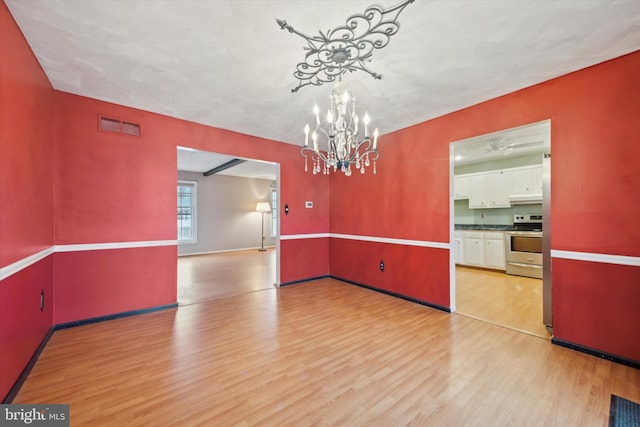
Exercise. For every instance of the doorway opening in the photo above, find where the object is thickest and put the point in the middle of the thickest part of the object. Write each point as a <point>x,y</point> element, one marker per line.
<point>228,225</point>
<point>499,181</point>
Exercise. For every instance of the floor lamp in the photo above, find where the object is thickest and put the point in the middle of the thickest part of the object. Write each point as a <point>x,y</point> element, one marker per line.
<point>263,207</point>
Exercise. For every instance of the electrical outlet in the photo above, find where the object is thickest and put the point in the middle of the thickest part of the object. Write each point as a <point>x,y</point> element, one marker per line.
<point>381,265</point>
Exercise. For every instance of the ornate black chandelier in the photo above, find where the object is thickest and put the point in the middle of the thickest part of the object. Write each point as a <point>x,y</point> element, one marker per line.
<point>329,56</point>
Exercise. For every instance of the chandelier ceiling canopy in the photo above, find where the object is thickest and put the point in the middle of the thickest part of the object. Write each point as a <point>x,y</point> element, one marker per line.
<point>345,48</point>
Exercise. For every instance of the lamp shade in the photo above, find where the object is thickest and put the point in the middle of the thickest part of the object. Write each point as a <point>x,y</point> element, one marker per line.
<point>263,207</point>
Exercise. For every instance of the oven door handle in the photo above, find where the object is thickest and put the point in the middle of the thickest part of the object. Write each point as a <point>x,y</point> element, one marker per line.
<point>519,264</point>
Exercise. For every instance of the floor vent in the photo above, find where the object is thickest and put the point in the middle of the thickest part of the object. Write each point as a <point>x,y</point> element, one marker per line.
<point>108,124</point>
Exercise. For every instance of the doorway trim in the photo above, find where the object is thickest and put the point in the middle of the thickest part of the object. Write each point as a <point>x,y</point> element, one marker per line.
<point>277,166</point>
<point>546,212</point>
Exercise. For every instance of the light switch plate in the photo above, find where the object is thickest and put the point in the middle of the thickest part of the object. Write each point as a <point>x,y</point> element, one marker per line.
<point>308,204</point>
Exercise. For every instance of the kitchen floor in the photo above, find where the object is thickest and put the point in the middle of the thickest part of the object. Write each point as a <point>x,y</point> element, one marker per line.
<point>514,302</point>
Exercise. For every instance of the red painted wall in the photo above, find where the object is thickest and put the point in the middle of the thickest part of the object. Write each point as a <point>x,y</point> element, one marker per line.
<point>101,282</point>
<point>408,197</point>
<point>110,187</point>
<point>22,324</point>
<point>596,302</point>
<point>595,172</point>
<point>305,258</point>
<point>26,109</point>
<point>410,271</point>
<point>26,199</point>
<point>299,187</point>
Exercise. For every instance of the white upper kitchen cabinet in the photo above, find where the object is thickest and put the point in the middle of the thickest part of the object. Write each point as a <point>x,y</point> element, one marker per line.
<point>489,190</point>
<point>537,179</point>
<point>526,184</point>
<point>498,189</point>
<point>460,187</point>
<point>478,191</point>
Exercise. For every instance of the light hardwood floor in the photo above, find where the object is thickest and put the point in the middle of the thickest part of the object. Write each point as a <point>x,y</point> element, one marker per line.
<point>514,302</point>
<point>319,353</point>
<point>204,277</point>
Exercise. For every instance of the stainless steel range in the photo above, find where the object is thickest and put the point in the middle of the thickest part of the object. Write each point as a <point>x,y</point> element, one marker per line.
<point>523,246</point>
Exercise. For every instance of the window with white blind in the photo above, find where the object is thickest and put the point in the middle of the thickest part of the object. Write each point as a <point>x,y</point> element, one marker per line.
<point>187,212</point>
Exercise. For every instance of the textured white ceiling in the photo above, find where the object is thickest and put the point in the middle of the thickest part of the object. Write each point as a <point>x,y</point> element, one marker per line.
<point>227,64</point>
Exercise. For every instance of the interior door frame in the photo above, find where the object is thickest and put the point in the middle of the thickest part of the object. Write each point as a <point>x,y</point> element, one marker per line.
<point>547,302</point>
<point>278,196</point>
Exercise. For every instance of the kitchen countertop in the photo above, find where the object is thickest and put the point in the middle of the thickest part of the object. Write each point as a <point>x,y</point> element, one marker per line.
<point>483,227</point>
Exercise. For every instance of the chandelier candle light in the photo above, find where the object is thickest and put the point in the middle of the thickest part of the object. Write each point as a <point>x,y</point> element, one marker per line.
<point>341,147</point>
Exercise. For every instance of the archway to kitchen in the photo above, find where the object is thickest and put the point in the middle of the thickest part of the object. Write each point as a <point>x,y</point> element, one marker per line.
<point>228,228</point>
<point>500,228</point>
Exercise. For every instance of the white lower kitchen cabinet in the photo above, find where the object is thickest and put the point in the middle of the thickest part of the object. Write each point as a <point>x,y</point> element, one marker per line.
<point>480,249</point>
<point>494,256</point>
<point>473,247</point>
<point>458,248</point>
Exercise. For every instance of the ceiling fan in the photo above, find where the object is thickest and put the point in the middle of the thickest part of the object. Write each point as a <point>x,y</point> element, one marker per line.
<point>501,144</point>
